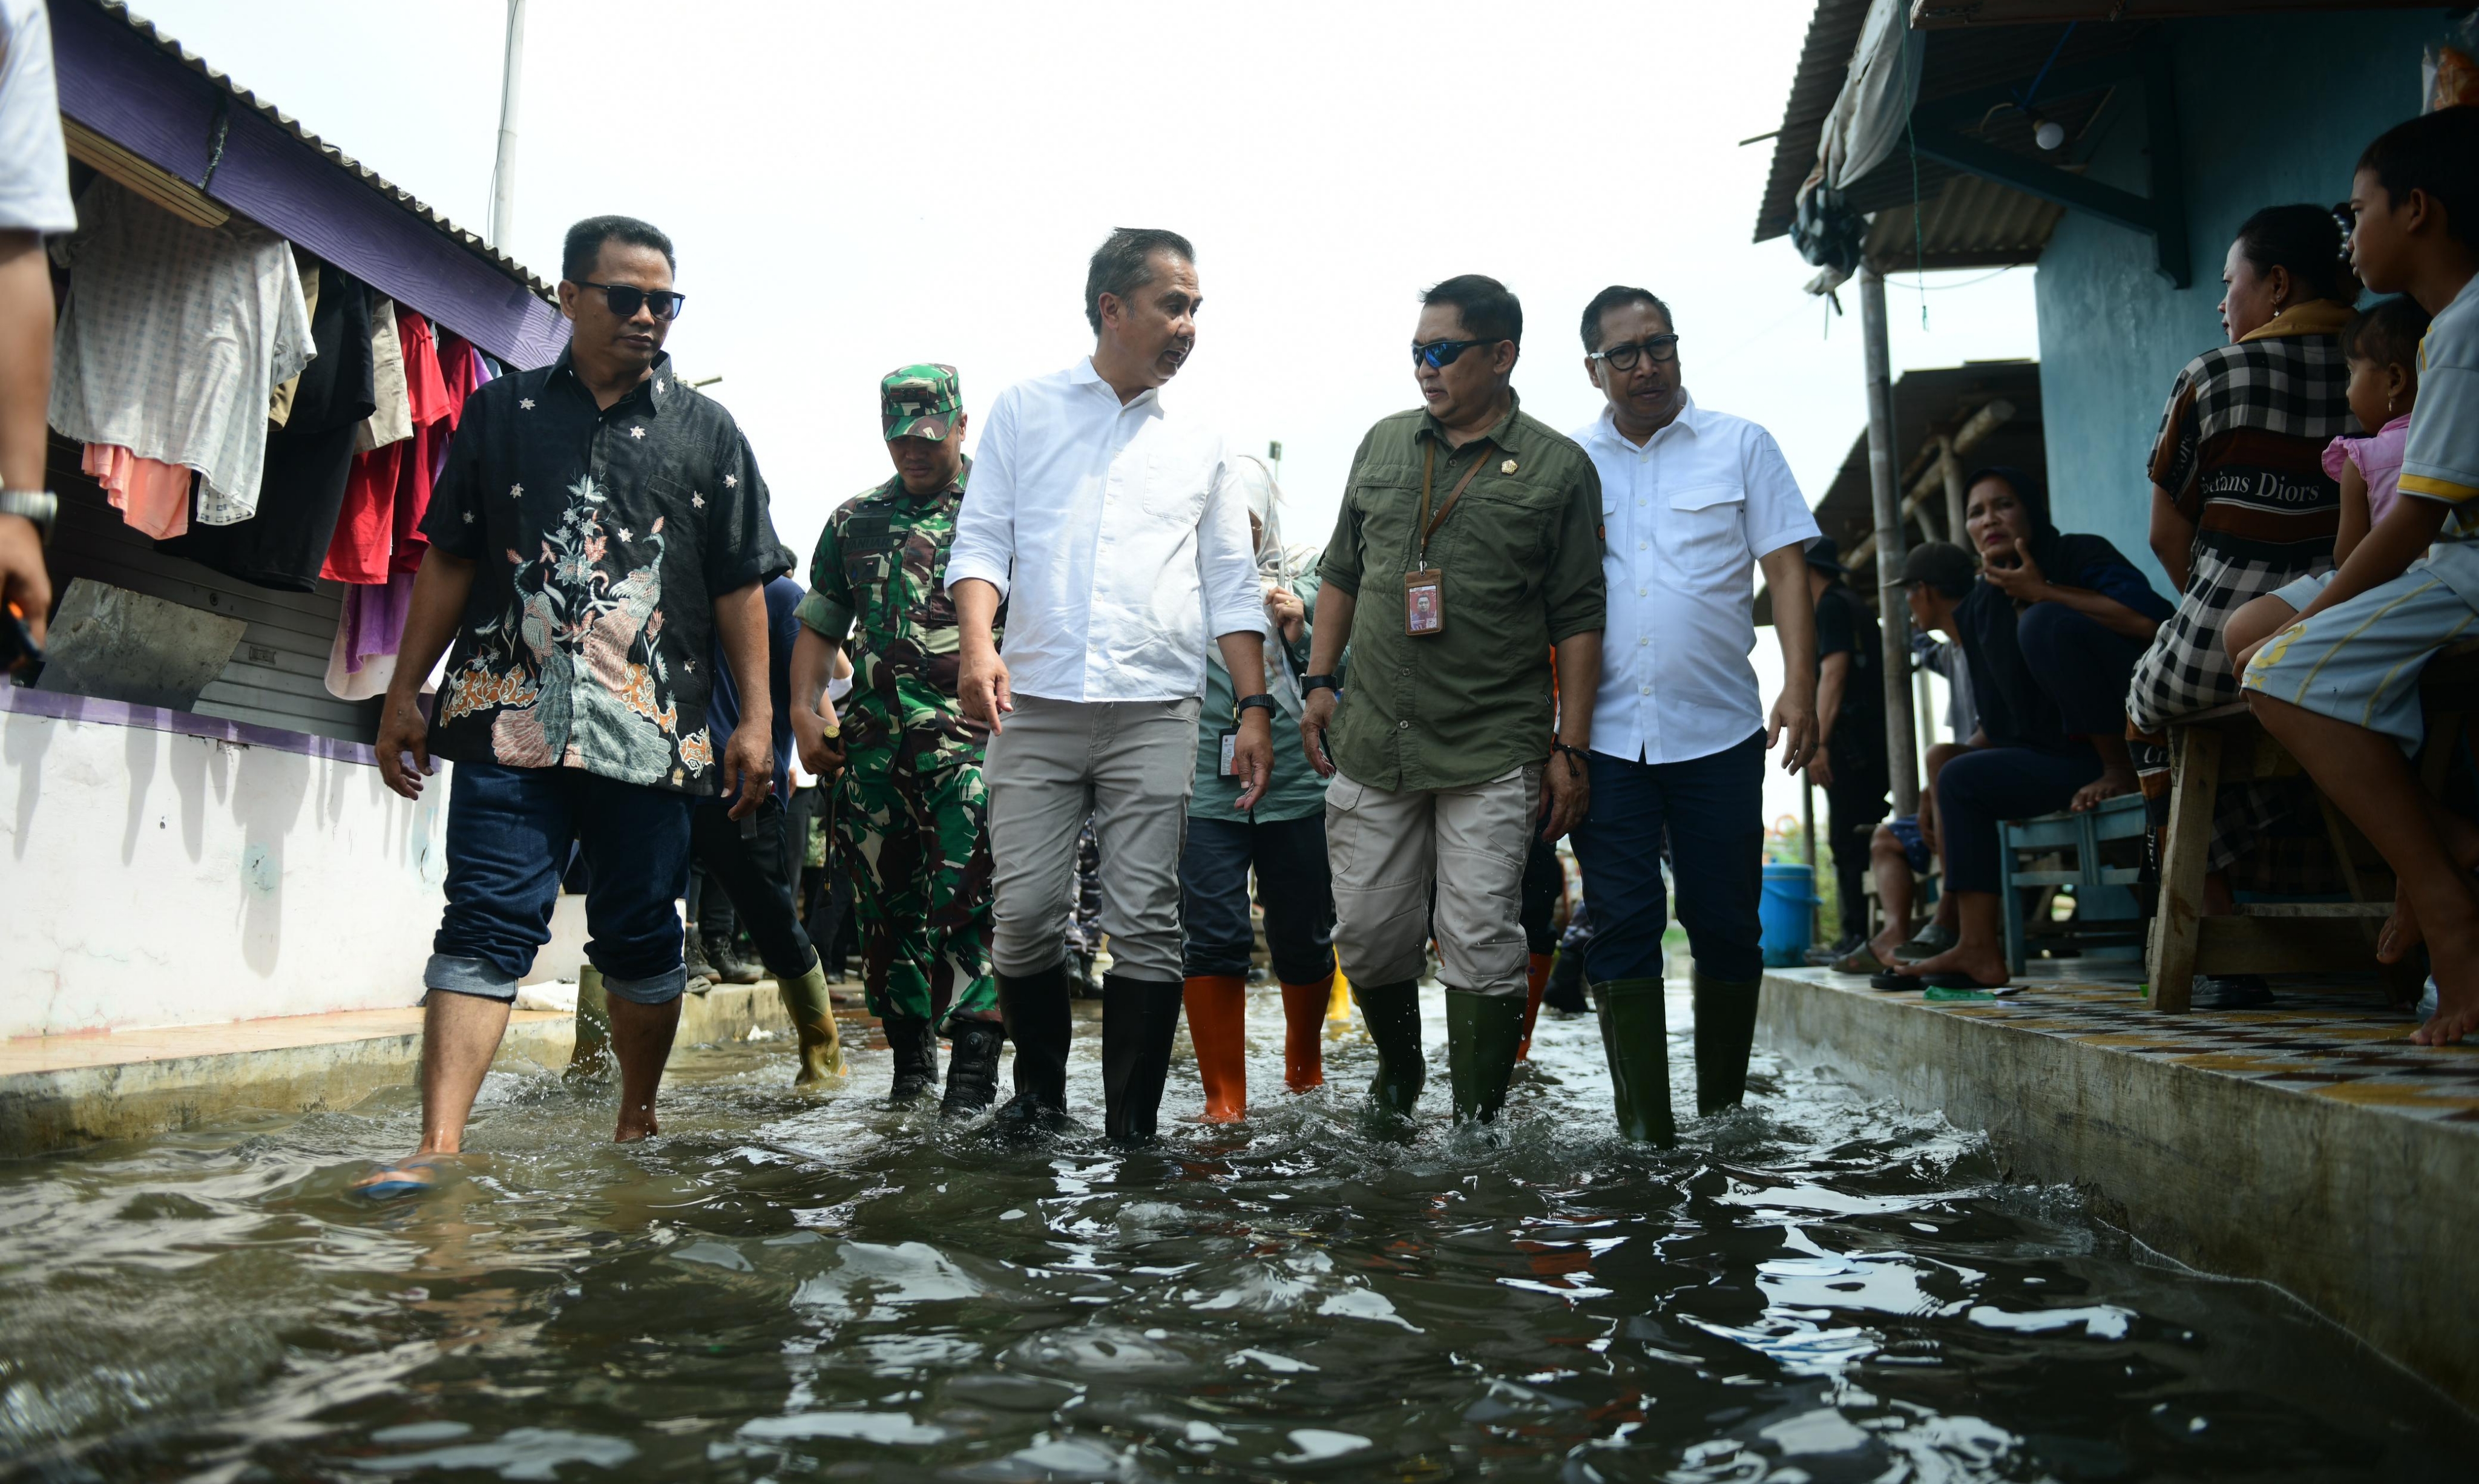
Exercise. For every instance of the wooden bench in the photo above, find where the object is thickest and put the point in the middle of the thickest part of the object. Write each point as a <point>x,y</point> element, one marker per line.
<point>2031,852</point>
<point>2225,745</point>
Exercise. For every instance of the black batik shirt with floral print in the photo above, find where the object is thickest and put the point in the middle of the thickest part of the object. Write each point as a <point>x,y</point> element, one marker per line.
<point>602,537</point>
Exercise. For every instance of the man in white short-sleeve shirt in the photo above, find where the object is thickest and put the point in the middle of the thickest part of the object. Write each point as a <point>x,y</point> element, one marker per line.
<point>1114,533</point>
<point>1691,503</point>
<point>33,200</point>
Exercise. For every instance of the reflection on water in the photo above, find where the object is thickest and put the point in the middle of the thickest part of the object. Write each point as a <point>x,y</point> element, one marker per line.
<point>1816,1287</point>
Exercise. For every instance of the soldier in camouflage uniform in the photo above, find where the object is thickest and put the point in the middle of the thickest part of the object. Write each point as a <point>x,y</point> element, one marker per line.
<point>909,806</point>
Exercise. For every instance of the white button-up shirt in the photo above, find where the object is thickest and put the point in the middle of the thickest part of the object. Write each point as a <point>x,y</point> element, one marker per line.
<point>1116,534</point>
<point>1683,520</point>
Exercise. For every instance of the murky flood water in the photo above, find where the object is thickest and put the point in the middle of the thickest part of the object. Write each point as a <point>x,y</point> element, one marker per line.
<point>1817,1288</point>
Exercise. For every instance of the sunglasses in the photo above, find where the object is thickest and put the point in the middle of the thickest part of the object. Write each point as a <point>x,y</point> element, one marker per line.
<point>1661,347</point>
<point>625,300</point>
<point>1444,352</point>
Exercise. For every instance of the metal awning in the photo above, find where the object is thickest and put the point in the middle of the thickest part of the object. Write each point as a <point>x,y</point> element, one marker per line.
<point>1946,15</point>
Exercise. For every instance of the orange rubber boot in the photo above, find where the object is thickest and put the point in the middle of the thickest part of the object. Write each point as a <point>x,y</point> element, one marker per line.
<point>1304,1008</point>
<point>1217,1027</point>
<point>1536,979</point>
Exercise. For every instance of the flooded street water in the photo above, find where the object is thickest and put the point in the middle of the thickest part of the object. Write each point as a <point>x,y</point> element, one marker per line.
<point>1816,1287</point>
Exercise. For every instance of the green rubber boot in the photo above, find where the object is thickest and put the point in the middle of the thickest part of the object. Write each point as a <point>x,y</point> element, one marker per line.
<point>1636,1040</point>
<point>813,1020</point>
<point>1483,1032</point>
<point>590,1057</point>
<point>1726,1033</point>
<point>1393,1013</point>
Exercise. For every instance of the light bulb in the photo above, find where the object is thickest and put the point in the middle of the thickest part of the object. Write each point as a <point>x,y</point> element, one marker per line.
<point>2050,135</point>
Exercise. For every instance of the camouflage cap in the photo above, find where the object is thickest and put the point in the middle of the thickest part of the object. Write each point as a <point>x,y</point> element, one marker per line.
<point>919,401</point>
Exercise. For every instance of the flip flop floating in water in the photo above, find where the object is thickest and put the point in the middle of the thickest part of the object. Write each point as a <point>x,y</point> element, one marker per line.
<point>395,1182</point>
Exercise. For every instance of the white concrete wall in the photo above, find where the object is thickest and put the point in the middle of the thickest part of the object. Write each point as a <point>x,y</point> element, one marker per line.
<point>151,878</point>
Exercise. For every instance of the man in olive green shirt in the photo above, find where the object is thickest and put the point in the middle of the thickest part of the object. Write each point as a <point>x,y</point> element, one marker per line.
<point>1468,549</point>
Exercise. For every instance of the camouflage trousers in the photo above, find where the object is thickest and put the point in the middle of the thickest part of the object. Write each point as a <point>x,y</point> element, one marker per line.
<point>911,820</point>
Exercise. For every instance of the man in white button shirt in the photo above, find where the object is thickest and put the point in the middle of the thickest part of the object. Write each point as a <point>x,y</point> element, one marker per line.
<point>1119,540</point>
<point>1691,503</point>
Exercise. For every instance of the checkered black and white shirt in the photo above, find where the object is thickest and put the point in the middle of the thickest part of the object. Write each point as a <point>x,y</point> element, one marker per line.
<point>2242,443</point>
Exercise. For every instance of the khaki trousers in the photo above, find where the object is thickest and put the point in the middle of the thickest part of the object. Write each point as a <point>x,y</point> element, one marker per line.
<point>1128,765</point>
<point>1388,850</point>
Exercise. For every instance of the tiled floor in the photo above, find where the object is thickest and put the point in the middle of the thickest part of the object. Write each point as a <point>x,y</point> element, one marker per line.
<point>2335,1041</point>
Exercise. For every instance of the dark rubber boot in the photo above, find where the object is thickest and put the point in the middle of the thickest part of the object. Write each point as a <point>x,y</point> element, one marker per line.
<point>1483,1032</point>
<point>1036,1011</point>
<point>813,1021</point>
<point>1726,1033</point>
<point>1636,1040</point>
<point>972,1066</point>
<point>1140,1020</point>
<point>915,1048</point>
<point>1393,1013</point>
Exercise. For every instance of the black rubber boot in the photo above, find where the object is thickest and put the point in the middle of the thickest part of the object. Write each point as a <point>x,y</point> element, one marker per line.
<point>1393,1013</point>
<point>1140,1019</point>
<point>915,1048</point>
<point>1635,1037</point>
<point>1036,1011</point>
<point>1482,1034</point>
<point>972,1066</point>
<point>1726,1033</point>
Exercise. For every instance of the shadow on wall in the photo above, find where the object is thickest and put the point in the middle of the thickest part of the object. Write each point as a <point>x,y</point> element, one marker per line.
<point>23,741</point>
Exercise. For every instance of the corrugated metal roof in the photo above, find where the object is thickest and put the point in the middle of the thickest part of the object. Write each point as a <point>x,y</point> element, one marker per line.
<point>1978,222</point>
<point>1939,15</point>
<point>406,199</point>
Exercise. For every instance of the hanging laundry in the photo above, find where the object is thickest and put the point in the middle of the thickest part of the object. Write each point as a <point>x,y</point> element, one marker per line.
<point>309,460</point>
<point>369,632</point>
<point>391,418</point>
<point>279,407</point>
<point>173,340</point>
<point>390,486</point>
<point>152,496</point>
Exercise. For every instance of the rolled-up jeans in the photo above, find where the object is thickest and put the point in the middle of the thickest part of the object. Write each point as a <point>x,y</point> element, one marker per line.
<point>1130,765</point>
<point>1387,848</point>
<point>508,836</point>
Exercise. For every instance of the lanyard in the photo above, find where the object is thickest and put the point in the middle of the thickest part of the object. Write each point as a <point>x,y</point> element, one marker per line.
<point>1428,467</point>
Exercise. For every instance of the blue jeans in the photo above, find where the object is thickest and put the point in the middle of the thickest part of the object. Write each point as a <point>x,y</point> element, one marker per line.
<point>1292,884</point>
<point>508,836</point>
<point>1711,811</point>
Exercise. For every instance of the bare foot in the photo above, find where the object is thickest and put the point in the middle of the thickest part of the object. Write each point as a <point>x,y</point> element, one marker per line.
<point>635,1125</point>
<point>2456,953</point>
<point>1987,966</point>
<point>2402,931</point>
<point>2111,785</point>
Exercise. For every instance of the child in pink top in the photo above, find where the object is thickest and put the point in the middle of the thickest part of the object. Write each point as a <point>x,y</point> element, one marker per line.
<point>2381,344</point>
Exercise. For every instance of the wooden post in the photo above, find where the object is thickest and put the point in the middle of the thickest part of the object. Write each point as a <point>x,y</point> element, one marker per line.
<point>1807,848</point>
<point>1893,612</point>
<point>2194,786</point>
<point>1950,467</point>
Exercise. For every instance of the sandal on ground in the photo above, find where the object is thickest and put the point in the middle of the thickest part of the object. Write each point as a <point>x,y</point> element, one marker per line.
<point>1862,959</point>
<point>2230,991</point>
<point>1954,980</point>
<point>1889,979</point>
<point>395,1182</point>
<point>1927,943</point>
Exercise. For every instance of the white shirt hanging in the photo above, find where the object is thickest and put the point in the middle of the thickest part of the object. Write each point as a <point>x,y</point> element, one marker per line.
<point>172,337</point>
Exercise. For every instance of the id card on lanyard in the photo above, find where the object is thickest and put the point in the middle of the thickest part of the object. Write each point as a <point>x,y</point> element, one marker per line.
<point>1425,587</point>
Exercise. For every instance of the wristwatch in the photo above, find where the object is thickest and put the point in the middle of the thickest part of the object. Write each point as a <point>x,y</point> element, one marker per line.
<point>1261,701</point>
<point>41,506</point>
<point>1310,682</point>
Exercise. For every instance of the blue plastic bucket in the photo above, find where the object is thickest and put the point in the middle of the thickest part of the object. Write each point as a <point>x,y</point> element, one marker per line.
<point>1787,910</point>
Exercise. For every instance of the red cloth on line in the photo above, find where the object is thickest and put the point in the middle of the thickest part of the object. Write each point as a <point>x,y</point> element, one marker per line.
<point>390,489</point>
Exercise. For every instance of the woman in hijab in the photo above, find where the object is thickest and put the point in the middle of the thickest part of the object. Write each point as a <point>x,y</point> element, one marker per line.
<point>1282,838</point>
<point>2052,630</point>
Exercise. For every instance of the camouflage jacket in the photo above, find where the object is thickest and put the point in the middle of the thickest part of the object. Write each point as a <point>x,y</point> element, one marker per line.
<point>878,581</point>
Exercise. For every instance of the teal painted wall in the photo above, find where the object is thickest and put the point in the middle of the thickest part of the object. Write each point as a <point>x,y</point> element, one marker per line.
<point>2114,333</point>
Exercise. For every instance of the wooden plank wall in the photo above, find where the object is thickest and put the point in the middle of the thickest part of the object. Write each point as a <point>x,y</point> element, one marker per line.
<point>277,676</point>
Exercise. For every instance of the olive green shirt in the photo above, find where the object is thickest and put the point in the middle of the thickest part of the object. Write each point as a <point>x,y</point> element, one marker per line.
<point>1521,554</point>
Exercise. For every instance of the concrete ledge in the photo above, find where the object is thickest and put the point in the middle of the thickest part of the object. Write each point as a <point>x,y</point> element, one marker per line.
<point>57,1092</point>
<point>2308,1147</point>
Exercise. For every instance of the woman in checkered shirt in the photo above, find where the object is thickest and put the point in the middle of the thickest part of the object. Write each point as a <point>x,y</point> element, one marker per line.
<point>2241,501</point>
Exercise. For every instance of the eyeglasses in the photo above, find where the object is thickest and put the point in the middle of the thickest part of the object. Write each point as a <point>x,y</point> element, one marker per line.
<point>1661,347</point>
<point>625,300</point>
<point>1444,352</point>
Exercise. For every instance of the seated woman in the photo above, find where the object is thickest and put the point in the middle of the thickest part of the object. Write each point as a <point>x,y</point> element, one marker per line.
<point>2052,630</point>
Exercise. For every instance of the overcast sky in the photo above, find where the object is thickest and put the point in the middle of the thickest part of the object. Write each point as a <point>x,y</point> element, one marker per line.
<point>855,186</point>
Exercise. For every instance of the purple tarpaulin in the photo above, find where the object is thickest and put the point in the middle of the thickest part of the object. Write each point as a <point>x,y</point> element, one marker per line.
<point>120,85</point>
